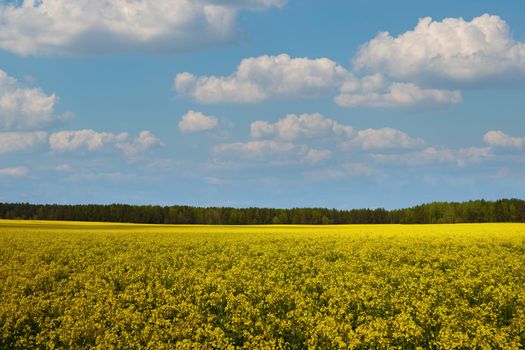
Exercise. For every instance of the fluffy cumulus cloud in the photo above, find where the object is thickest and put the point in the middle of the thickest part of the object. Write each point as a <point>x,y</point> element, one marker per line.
<point>312,139</point>
<point>265,77</point>
<point>135,149</point>
<point>315,126</point>
<point>84,139</point>
<point>293,127</point>
<point>382,139</point>
<point>434,155</point>
<point>22,107</point>
<point>90,140</point>
<point>453,50</point>
<point>271,151</point>
<point>21,141</point>
<point>196,121</point>
<point>259,149</point>
<point>15,172</point>
<point>424,67</point>
<point>261,78</point>
<point>500,139</point>
<point>317,155</point>
<point>412,68</point>
<point>398,95</point>
<point>101,26</point>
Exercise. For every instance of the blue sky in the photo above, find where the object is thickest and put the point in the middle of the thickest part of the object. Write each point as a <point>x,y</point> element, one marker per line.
<point>276,103</point>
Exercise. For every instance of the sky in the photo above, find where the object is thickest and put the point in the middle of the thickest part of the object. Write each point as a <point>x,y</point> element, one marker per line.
<point>268,103</point>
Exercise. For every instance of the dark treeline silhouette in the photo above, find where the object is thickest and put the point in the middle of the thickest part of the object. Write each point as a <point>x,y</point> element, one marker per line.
<point>504,210</point>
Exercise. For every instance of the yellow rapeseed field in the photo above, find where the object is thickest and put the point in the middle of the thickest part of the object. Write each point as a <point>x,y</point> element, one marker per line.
<point>120,286</point>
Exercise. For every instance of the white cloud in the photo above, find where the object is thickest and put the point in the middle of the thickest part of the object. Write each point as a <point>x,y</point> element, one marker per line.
<point>15,172</point>
<point>345,171</point>
<point>215,181</point>
<point>366,84</point>
<point>262,128</point>
<point>433,155</point>
<point>21,141</point>
<point>452,50</point>
<point>261,78</point>
<point>399,95</point>
<point>260,149</point>
<point>293,127</point>
<point>271,151</point>
<point>381,139</point>
<point>84,139</point>
<point>139,145</point>
<point>315,126</point>
<point>265,77</point>
<point>91,140</point>
<point>160,164</point>
<point>196,121</point>
<point>358,169</point>
<point>64,168</point>
<point>317,155</point>
<point>424,67</point>
<point>24,107</point>
<point>102,26</point>
<point>500,139</point>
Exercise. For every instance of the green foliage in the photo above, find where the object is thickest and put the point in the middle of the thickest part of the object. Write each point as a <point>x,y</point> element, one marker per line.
<point>504,210</point>
<point>117,286</point>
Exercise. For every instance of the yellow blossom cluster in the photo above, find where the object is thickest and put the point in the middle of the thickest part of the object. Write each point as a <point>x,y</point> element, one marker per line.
<point>117,286</point>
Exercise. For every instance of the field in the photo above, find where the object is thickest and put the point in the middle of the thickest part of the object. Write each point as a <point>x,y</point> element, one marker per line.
<point>89,285</point>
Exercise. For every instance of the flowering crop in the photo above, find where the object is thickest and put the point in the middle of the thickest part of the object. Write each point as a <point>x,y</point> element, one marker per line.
<point>103,286</point>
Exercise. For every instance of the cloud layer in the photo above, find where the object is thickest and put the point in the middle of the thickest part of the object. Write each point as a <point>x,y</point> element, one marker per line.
<point>310,139</point>
<point>384,138</point>
<point>261,78</point>
<point>500,139</point>
<point>14,172</point>
<point>346,170</point>
<point>449,51</point>
<point>293,127</point>
<point>102,26</point>
<point>84,139</point>
<point>196,121</point>
<point>315,126</point>
<point>269,77</point>
<point>22,107</point>
<point>436,155</point>
<point>398,95</point>
<point>271,151</point>
<point>424,67</point>
<point>21,141</point>
<point>90,140</point>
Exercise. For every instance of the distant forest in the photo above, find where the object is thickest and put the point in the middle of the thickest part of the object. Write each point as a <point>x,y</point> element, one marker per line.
<point>504,210</point>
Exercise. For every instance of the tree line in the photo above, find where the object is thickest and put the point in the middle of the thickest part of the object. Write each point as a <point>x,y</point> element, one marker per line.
<point>504,210</point>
